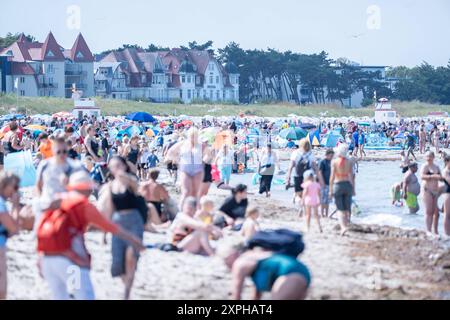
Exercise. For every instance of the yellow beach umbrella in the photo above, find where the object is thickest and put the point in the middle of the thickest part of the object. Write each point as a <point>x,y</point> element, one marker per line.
<point>36,127</point>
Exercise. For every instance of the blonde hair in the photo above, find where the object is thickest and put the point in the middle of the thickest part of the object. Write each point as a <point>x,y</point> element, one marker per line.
<point>251,210</point>
<point>205,200</point>
<point>305,145</point>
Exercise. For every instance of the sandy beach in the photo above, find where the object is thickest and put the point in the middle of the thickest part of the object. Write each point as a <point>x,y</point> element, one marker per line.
<point>372,262</point>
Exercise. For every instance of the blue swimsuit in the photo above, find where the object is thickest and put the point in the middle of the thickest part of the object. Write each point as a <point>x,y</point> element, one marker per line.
<point>269,270</point>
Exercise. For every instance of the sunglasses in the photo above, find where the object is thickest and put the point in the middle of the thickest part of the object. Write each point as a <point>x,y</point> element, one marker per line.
<point>61,152</point>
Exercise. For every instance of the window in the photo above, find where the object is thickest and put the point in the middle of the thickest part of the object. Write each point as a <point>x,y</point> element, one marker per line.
<point>50,54</point>
<point>189,79</point>
<point>211,79</point>
<point>189,94</point>
<point>50,81</point>
<point>22,92</point>
<point>22,79</point>
<point>217,95</point>
<point>211,94</point>
<point>217,79</point>
<point>183,79</point>
<point>197,80</point>
<point>198,94</point>
<point>80,55</point>
<point>50,68</point>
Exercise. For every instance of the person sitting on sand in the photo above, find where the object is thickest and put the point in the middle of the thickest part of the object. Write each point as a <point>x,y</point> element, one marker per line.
<point>155,194</point>
<point>190,234</point>
<point>233,209</point>
<point>205,214</point>
<point>251,225</point>
<point>283,276</point>
<point>411,188</point>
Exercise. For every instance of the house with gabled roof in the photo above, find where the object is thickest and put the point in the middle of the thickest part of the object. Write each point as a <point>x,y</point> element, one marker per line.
<point>47,69</point>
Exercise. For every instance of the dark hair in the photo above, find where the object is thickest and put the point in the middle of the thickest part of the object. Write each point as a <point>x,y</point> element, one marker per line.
<point>239,188</point>
<point>43,136</point>
<point>69,130</point>
<point>123,161</point>
<point>154,174</point>
<point>415,165</point>
<point>13,126</point>
<point>329,151</point>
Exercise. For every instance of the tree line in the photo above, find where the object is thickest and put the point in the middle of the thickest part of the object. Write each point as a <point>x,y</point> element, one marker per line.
<point>273,75</point>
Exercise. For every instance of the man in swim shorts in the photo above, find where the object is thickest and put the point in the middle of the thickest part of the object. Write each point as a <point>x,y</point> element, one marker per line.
<point>411,188</point>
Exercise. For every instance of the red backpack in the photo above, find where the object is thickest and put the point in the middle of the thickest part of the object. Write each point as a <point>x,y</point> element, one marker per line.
<point>58,227</point>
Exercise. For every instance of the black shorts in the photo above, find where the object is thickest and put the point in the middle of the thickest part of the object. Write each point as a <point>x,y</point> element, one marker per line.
<point>172,166</point>
<point>298,181</point>
<point>142,166</point>
<point>207,177</point>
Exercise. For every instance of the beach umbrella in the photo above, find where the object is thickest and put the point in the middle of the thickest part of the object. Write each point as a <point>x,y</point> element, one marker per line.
<point>35,127</point>
<point>364,124</point>
<point>141,116</point>
<point>308,126</point>
<point>9,117</point>
<point>187,123</point>
<point>133,130</point>
<point>288,133</point>
<point>63,114</point>
<point>223,137</point>
<point>150,133</point>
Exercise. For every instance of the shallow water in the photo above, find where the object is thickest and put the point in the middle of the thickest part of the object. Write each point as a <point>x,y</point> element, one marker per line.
<point>373,183</point>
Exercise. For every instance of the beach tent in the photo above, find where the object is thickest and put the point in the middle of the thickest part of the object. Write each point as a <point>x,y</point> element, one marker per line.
<point>331,139</point>
<point>314,138</point>
<point>141,116</point>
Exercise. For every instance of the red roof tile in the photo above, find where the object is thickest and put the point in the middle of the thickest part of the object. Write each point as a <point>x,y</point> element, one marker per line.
<point>50,45</point>
<point>21,68</point>
<point>80,51</point>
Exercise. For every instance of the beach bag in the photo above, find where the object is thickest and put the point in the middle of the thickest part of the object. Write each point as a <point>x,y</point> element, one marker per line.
<point>215,173</point>
<point>281,241</point>
<point>302,165</point>
<point>57,228</point>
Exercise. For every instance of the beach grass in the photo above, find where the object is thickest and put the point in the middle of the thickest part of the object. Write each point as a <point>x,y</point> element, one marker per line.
<point>48,105</point>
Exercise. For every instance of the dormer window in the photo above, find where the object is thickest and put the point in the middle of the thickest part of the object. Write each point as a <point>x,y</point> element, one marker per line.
<point>79,55</point>
<point>50,54</point>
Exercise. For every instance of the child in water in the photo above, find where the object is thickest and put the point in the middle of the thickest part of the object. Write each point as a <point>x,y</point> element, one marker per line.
<point>396,194</point>
<point>311,197</point>
<point>251,225</point>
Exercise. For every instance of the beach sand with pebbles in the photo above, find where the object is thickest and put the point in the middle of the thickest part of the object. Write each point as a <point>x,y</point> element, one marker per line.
<point>372,262</point>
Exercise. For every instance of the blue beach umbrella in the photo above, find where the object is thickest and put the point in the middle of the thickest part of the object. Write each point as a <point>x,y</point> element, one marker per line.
<point>141,116</point>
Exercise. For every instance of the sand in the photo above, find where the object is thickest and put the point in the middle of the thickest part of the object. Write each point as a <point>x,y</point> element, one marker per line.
<point>372,262</point>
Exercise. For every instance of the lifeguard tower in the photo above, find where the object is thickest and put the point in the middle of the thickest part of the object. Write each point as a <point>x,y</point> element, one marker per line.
<point>384,111</point>
<point>83,106</point>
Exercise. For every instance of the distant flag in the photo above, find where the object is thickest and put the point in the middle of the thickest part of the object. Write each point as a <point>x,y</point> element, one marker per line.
<point>16,83</point>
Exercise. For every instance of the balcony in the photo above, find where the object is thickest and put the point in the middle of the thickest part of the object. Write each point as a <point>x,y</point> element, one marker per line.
<point>78,86</point>
<point>48,85</point>
<point>75,73</point>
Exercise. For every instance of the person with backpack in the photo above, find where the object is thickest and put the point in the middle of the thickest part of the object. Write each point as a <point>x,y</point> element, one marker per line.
<point>271,268</point>
<point>63,257</point>
<point>301,161</point>
<point>52,176</point>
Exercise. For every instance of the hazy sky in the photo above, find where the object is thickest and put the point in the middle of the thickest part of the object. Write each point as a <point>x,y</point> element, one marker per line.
<point>400,32</point>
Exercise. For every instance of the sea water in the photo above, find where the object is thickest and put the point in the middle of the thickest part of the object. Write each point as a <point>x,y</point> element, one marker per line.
<point>374,181</point>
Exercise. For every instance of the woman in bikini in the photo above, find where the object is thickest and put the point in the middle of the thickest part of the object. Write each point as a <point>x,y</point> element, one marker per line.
<point>342,185</point>
<point>188,154</point>
<point>208,158</point>
<point>446,177</point>
<point>431,175</point>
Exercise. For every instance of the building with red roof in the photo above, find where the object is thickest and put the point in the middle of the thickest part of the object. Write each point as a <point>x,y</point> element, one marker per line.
<point>47,69</point>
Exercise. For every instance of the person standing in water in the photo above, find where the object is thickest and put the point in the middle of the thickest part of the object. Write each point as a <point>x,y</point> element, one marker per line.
<point>411,188</point>
<point>342,185</point>
<point>431,175</point>
<point>422,140</point>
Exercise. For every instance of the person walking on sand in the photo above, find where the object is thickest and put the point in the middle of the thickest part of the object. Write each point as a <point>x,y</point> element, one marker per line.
<point>342,185</point>
<point>61,244</point>
<point>267,166</point>
<point>311,196</point>
<point>301,161</point>
<point>411,188</point>
<point>431,175</point>
<point>446,180</point>
<point>422,139</point>
<point>325,173</point>
<point>9,187</point>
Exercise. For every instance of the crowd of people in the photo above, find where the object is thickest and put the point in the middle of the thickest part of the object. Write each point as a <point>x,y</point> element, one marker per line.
<point>88,178</point>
